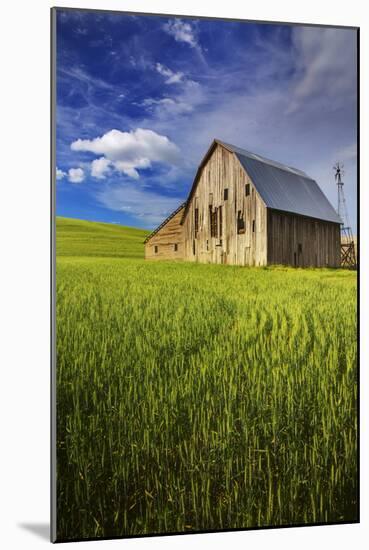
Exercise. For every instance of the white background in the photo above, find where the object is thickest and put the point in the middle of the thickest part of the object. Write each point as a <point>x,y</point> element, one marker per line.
<point>24,270</point>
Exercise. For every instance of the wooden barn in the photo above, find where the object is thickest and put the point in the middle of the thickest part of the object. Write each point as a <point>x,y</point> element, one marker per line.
<point>244,209</point>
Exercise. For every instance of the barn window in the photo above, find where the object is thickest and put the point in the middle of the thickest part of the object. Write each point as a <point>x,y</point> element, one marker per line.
<point>299,248</point>
<point>253,226</point>
<point>247,189</point>
<point>207,244</point>
<point>196,221</point>
<point>225,195</point>
<point>194,247</point>
<point>175,247</point>
<point>240,223</point>
<point>213,222</point>
<point>155,249</point>
<point>220,221</point>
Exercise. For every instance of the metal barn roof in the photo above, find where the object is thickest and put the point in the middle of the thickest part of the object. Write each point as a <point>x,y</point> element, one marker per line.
<point>285,188</point>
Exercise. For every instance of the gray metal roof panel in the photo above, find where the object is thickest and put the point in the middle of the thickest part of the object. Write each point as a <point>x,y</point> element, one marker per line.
<point>285,188</point>
<point>265,160</point>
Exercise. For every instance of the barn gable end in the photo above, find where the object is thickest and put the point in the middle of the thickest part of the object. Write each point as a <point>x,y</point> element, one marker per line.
<point>166,241</point>
<point>225,219</point>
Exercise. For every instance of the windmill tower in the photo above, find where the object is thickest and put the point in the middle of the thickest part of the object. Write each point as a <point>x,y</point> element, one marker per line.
<point>348,255</point>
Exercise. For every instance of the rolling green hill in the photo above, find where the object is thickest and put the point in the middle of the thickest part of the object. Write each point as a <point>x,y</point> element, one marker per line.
<point>82,238</point>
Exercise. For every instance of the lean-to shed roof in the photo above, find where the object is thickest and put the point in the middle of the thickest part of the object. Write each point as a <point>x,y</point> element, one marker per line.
<point>165,222</point>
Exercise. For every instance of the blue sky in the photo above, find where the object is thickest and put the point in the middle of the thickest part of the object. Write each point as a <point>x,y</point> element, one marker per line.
<point>140,98</point>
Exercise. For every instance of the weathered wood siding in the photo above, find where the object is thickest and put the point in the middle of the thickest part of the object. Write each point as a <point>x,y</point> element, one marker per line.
<point>161,246</point>
<point>299,241</point>
<point>211,231</point>
<point>223,171</point>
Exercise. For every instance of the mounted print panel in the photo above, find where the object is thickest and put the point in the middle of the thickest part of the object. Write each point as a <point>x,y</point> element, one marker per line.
<point>204,224</point>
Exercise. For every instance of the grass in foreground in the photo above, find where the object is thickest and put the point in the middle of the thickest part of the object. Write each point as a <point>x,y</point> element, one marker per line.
<point>194,397</point>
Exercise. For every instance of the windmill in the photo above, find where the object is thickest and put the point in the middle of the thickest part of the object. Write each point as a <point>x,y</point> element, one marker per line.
<point>348,255</point>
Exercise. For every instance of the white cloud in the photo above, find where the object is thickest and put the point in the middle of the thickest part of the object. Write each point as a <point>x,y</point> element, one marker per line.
<point>149,207</point>
<point>250,111</point>
<point>151,101</point>
<point>171,76</point>
<point>181,31</point>
<point>325,65</point>
<point>190,97</point>
<point>140,62</point>
<point>173,106</point>
<point>81,30</point>
<point>348,153</point>
<point>100,167</point>
<point>76,175</point>
<point>82,76</point>
<point>60,174</point>
<point>127,168</point>
<point>129,151</point>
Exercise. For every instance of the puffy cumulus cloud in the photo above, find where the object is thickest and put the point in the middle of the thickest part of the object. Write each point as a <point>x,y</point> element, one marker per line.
<point>100,167</point>
<point>181,31</point>
<point>171,76</point>
<point>127,168</point>
<point>60,174</point>
<point>129,151</point>
<point>76,175</point>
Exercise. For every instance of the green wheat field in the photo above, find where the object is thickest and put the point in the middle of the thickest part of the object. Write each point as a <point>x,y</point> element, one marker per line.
<point>199,397</point>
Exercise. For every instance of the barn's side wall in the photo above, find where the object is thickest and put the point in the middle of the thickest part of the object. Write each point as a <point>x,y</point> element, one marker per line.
<point>223,171</point>
<point>165,239</point>
<point>300,241</point>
